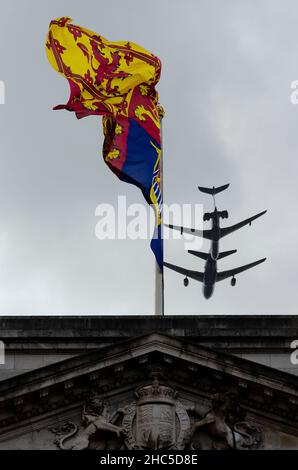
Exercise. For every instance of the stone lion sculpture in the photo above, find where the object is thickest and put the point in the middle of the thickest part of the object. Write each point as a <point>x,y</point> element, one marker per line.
<point>96,416</point>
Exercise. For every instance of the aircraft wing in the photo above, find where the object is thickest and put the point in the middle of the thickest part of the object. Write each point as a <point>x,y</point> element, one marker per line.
<point>186,272</point>
<point>227,230</point>
<point>232,272</point>
<point>192,231</point>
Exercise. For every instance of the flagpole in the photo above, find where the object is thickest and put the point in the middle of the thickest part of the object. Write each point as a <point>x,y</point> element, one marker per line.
<point>159,292</point>
<point>159,277</point>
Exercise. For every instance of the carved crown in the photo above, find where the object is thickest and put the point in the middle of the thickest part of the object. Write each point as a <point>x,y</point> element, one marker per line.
<point>156,393</point>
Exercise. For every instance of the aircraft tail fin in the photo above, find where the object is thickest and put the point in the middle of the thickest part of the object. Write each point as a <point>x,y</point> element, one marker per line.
<point>223,254</point>
<point>199,254</point>
<point>213,190</point>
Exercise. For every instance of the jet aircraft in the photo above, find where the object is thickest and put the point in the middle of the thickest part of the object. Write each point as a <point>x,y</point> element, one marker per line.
<point>210,275</point>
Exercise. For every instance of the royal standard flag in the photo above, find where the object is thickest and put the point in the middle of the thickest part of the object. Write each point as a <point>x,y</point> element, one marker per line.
<point>116,80</point>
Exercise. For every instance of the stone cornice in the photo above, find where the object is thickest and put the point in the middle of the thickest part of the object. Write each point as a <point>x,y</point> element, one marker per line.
<point>72,334</point>
<point>112,355</point>
<point>261,326</point>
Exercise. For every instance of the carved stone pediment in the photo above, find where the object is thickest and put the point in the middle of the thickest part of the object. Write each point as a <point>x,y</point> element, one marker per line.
<point>154,392</point>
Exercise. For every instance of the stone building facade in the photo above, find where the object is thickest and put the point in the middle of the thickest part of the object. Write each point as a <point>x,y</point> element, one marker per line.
<point>219,382</point>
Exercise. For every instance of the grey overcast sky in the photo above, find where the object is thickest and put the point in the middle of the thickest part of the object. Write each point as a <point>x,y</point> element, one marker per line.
<point>227,70</point>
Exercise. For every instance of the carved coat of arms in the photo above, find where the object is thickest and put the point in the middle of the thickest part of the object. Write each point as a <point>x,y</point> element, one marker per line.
<point>156,420</point>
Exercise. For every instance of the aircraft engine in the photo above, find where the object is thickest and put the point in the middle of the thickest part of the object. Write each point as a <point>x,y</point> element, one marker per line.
<point>233,281</point>
<point>186,282</point>
<point>207,217</point>
<point>225,215</point>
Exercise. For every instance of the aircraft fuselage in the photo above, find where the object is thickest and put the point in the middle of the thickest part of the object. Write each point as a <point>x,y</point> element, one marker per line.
<point>214,251</point>
<point>210,274</point>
